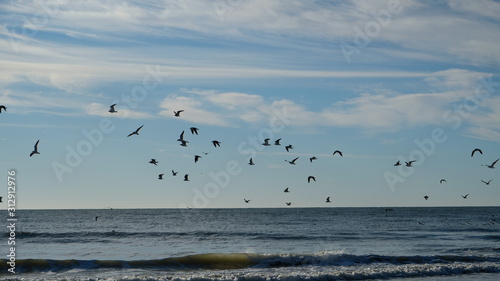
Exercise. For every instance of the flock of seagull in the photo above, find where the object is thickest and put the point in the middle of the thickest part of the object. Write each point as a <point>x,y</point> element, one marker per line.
<point>267,142</point>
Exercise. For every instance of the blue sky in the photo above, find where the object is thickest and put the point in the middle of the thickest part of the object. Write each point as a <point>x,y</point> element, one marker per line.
<point>381,81</point>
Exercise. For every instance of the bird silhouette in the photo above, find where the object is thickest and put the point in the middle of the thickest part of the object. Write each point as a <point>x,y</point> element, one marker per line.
<point>250,162</point>
<point>476,150</point>
<point>112,108</point>
<point>196,158</point>
<point>487,182</point>
<point>181,137</point>
<point>398,163</point>
<point>216,143</point>
<point>1,199</point>
<point>178,113</point>
<point>160,176</point>
<point>186,177</point>
<point>3,107</point>
<point>338,151</point>
<point>408,164</point>
<point>442,180</point>
<point>286,190</point>
<point>288,147</point>
<point>246,201</point>
<point>136,132</point>
<point>312,158</point>
<point>35,149</point>
<point>277,142</point>
<point>266,142</point>
<point>288,203</point>
<point>174,173</point>
<point>311,178</point>
<point>154,162</point>
<point>426,197</point>
<point>465,196</point>
<point>194,130</point>
<point>293,161</point>
<point>184,143</point>
<point>328,199</point>
<point>492,166</point>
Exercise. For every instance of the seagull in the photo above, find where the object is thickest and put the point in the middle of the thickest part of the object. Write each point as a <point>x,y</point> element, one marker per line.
<point>246,201</point>
<point>178,113</point>
<point>474,151</point>
<point>136,132</point>
<point>35,151</point>
<point>112,108</point>
<point>487,182</point>
<point>196,158</point>
<point>442,180</point>
<point>174,173</point>
<point>160,176</point>
<point>293,161</point>
<point>426,197</point>
<point>338,151</point>
<point>312,158</point>
<point>465,196</point>
<point>194,130</point>
<point>154,162</point>
<point>492,166</point>
<point>186,177</point>
<point>288,203</point>
<point>311,178</point>
<point>398,163</point>
<point>328,199</point>
<point>251,162</point>
<point>3,107</point>
<point>216,143</point>
<point>288,147</point>
<point>408,164</point>
<point>181,137</point>
<point>277,142</point>
<point>286,190</point>
<point>266,142</point>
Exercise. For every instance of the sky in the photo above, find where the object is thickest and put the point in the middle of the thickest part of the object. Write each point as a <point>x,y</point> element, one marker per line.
<point>380,81</point>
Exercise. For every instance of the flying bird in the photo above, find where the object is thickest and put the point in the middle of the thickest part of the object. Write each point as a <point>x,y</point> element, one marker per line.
<point>338,151</point>
<point>216,143</point>
<point>313,158</point>
<point>426,197</point>
<point>328,199</point>
<point>181,137</point>
<point>196,158</point>
<point>194,130</point>
<point>442,180</point>
<point>186,177</point>
<point>286,190</point>
<point>465,196</point>
<point>154,162</point>
<point>277,142</point>
<point>476,150</point>
<point>288,203</point>
<point>112,108</point>
<point>1,199</point>
<point>174,173</point>
<point>160,176</point>
<point>398,163</point>
<point>408,164</point>
<point>250,162</point>
<point>3,107</point>
<point>246,201</point>
<point>184,143</point>
<point>35,151</point>
<point>487,182</point>
<point>266,142</point>
<point>311,178</point>
<point>293,161</point>
<point>178,113</point>
<point>136,132</point>
<point>492,166</point>
<point>288,147</point>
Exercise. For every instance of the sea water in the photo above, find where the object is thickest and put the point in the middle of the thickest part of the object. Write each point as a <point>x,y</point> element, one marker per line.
<point>450,243</point>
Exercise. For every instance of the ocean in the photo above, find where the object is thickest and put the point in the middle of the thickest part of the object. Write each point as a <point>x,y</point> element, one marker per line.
<point>448,243</point>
